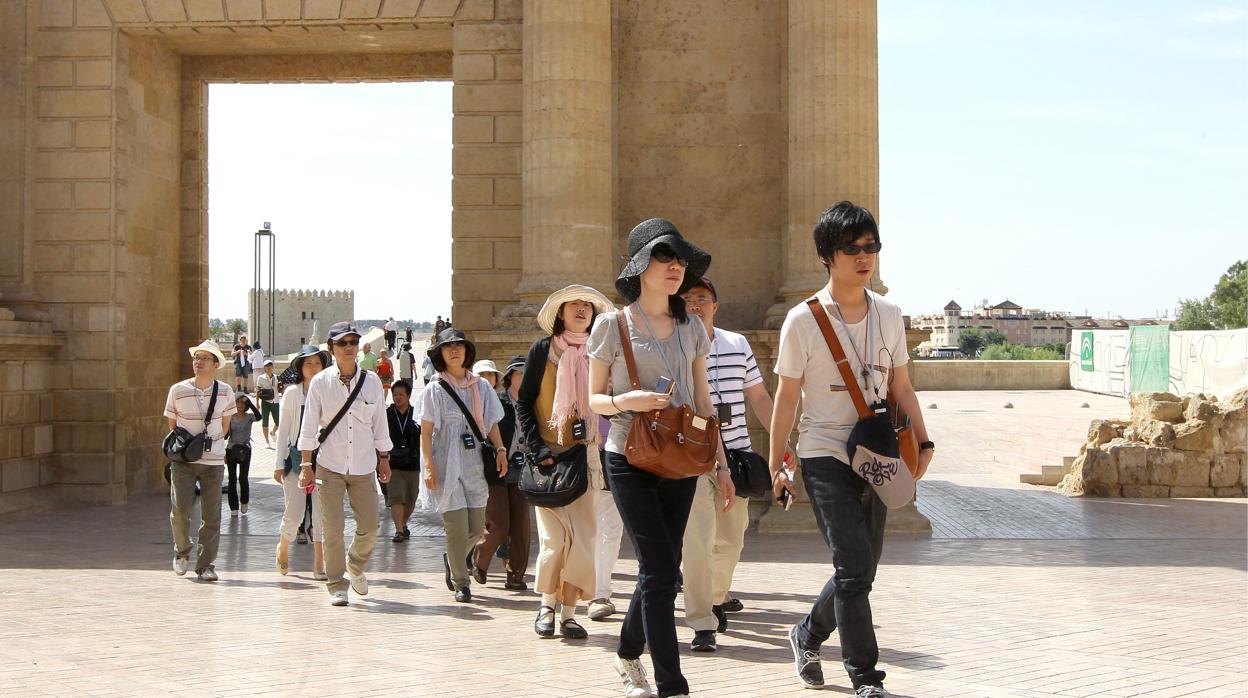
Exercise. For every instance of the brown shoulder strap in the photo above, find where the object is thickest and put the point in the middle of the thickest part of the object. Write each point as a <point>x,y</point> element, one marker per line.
<point>626,345</point>
<point>838,353</point>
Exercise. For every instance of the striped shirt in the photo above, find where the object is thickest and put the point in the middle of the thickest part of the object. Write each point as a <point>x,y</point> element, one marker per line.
<point>731,368</point>
<point>188,405</point>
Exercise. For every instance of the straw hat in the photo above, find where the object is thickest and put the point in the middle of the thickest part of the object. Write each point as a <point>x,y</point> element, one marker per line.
<point>576,292</point>
<point>211,347</point>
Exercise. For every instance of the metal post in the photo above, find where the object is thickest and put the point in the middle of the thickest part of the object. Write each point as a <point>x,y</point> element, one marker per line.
<point>268,322</point>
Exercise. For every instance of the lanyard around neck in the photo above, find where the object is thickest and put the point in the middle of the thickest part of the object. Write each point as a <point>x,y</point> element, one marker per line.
<point>865,370</point>
<point>659,345</point>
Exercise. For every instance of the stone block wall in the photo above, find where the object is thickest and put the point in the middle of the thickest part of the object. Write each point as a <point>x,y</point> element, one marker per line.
<point>1192,446</point>
<point>27,436</point>
<point>296,312</point>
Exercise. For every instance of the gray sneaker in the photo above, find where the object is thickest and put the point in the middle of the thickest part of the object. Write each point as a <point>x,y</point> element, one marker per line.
<point>871,692</point>
<point>809,666</point>
<point>634,676</point>
<point>338,598</point>
<point>208,574</point>
<point>180,565</point>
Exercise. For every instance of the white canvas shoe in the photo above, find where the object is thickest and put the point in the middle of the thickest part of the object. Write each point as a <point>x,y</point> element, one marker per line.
<point>636,685</point>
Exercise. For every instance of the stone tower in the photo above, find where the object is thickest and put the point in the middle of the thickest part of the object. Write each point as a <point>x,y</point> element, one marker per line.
<point>297,313</point>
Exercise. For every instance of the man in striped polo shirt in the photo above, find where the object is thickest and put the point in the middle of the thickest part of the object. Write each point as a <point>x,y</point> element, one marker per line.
<point>713,537</point>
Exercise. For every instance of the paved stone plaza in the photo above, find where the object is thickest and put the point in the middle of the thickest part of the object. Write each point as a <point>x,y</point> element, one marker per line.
<point>1019,592</point>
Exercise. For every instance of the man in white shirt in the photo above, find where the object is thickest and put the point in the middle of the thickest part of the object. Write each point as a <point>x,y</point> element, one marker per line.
<point>714,537</point>
<point>187,406</point>
<point>350,459</point>
<point>849,512</point>
<point>257,362</point>
<point>391,329</point>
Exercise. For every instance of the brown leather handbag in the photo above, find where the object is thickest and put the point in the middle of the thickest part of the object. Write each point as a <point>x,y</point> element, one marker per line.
<point>907,441</point>
<point>673,442</point>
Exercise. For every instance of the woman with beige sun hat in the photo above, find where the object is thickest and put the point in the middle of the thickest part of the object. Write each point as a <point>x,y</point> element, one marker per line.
<point>554,415</point>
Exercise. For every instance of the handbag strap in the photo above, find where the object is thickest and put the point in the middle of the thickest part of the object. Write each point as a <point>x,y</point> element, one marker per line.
<point>212,404</point>
<point>472,421</point>
<point>626,345</point>
<point>838,353</point>
<point>329,428</point>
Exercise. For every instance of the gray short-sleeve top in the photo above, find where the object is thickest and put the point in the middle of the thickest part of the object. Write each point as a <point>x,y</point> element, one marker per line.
<point>688,342</point>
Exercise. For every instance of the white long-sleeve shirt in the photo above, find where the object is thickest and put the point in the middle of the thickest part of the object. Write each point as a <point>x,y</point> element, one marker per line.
<point>351,449</point>
<point>288,428</point>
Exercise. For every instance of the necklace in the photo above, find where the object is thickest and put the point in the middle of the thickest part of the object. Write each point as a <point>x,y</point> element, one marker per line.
<point>865,371</point>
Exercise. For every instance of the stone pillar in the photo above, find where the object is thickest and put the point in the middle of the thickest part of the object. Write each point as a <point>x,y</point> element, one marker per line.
<point>567,158</point>
<point>16,127</point>
<point>833,131</point>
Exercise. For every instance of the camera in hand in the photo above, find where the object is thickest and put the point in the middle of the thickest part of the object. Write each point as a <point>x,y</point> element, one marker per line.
<point>469,442</point>
<point>665,385</point>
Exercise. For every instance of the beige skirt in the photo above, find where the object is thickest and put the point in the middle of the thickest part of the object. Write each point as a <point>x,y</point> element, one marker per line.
<point>565,540</point>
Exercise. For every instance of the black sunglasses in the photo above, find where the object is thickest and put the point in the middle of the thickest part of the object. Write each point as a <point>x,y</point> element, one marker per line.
<point>347,343</point>
<point>665,255</point>
<point>854,250</point>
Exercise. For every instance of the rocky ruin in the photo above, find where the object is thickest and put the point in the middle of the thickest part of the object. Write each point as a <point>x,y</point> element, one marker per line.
<point>1190,446</point>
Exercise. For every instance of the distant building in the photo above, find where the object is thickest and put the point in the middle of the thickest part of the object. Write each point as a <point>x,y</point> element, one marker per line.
<point>1028,327</point>
<point>299,317</point>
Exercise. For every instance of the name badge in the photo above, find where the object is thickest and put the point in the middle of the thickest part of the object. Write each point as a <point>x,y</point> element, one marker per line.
<point>469,442</point>
<point>724,413</point>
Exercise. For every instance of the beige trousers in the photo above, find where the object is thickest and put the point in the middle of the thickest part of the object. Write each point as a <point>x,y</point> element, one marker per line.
<point>712,548</point>
<point>361,492</point>
<point>566,542</point>
<point>464,528</point>
<point>182,479</point>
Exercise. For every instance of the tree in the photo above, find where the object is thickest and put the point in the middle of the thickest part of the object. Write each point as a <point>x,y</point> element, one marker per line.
<point>1018,352</point>
<point>1224,309</point>
<point>215,327</point>
<point>970,341</point>
<point>236,327</point>
<point>992,337</point>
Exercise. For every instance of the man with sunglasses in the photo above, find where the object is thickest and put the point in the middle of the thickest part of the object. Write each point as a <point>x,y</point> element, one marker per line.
<point>352,457</point>
<point>849,513</point>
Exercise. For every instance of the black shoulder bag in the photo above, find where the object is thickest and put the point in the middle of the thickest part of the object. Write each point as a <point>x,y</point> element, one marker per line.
<point>489,463</point>
<point>329,428</point>
<point>182,446</point>
<point>750,475</point>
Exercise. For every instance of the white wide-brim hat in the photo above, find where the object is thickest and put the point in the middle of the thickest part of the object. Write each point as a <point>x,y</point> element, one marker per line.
<point>576,292</point>
<point>486,366</point>
<point>211,347</point>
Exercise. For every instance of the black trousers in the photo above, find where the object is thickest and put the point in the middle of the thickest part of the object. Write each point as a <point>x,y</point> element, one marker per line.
<point>238,461</point>
<point>655,511</point>
<point>851,518</point>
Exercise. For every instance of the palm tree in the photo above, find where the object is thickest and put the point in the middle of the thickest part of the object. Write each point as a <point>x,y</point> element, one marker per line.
<point>236,327</point>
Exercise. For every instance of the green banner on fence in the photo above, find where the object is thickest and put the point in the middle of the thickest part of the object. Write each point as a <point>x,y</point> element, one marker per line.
<point>1085,352</point>
<point>1150,358</point>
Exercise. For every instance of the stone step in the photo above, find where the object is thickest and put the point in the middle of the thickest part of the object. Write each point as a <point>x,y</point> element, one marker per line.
<point>1049,475</point>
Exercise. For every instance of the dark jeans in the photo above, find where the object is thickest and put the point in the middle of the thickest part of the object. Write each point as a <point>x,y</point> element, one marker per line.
<point>851,518</point>
<point>238,460</point>
<point>655,512</point>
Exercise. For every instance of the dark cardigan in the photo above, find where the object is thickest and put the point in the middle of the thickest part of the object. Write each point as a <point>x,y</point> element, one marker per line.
<point>534,372</point>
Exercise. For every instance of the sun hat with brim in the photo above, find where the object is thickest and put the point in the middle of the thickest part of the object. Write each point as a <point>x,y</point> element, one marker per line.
<point>576,292</point>
<point>211,347</point>
<point>515,363</point>
<point>641,243</point>
<point>486,366</point>
<point>449,336</point>
<point>309,350</point>
<point>875,456</point>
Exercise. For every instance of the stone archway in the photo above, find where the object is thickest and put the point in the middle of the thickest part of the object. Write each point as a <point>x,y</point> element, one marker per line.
<point>738,120</point>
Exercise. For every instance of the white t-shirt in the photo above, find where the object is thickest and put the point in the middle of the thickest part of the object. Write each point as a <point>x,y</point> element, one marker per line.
<point>257,360</point>
<point>828,413</point>
<point>730,369</point>
<point>392,326</point>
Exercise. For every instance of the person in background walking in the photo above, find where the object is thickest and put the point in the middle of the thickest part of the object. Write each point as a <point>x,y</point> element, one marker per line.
<point>267,388</point>
<point>199,404</point>
<point>351,458</point>
<point>391,329</point>
<point>454,466</point>
<point>553,409</point>
<point>667,343</point>
<point>438,326</point>
<point>257,362</point>
<point>385,371</point>
<point>238,454</point>
<point>607,544</point>
<point>242,363</point>
<point>404,487</point>
<point>407,337</point>
<point>507,511</point>
<point>299,517</point>
<point>367,360</point>
<point>407,363</point>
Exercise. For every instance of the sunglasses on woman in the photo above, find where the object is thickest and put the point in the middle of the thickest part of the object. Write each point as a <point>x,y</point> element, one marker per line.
<point>855,250</point>
<point>664,256</point>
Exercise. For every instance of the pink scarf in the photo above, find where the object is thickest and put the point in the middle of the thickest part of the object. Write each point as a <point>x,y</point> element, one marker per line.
<point>571,380</point>
<point>469,381</point>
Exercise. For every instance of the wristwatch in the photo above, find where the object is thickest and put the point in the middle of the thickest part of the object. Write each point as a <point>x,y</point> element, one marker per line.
<point>927,446</point>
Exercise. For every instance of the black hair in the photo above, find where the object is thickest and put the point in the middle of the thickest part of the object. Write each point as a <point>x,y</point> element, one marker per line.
<point>558,327</point>
<point>407,387</point>
<point>257,345</point>
<point>470,357</point>
<point>841,225</point>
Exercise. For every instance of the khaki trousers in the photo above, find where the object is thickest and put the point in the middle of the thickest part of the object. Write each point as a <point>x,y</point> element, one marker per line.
<point>712,548</point>
<point>182,479</point>
<point>464,528</point>
<point>361,492</point>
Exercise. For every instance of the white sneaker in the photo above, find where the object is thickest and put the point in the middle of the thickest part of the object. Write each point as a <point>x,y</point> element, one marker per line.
<point>208,574</point>
<point>338,598</point>
<point>600,609</point>
<point>243,508</point>
<point>269,446</point>
<point>634,676</point>
<point>233,512</point>
<point>319,575</point>
<point>359,584</point>
<point>180,565</point>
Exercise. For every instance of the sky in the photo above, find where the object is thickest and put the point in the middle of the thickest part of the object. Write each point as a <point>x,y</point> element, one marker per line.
<point>1071,156</point>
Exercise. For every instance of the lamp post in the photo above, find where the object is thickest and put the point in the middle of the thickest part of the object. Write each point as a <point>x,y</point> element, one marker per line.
<point>265,233</point>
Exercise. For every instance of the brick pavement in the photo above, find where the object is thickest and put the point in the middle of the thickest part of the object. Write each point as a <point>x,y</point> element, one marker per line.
<point>1019,592</point>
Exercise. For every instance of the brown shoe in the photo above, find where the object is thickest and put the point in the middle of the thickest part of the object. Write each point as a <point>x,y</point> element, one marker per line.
<point>515,582</point>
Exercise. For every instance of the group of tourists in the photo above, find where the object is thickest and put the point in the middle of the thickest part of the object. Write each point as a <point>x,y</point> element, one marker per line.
<point>583,427</point>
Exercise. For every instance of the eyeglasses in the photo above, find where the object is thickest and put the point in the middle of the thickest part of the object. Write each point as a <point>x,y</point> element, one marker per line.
<point>347,343</point>
<point>854,250</point>
<point>664,256</point>
<point>202,358</point>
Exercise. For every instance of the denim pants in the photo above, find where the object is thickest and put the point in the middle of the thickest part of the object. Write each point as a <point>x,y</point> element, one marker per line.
<point>655,511</point>
<point>851,518</point>
<point>239,464</point>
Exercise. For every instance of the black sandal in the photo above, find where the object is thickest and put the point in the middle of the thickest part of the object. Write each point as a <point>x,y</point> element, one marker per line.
<point>544,628</point>
<point>572,630</point>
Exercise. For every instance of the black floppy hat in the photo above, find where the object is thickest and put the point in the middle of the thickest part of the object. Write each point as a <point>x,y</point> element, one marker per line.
<point>451,335</point>
<point>641,243</point>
